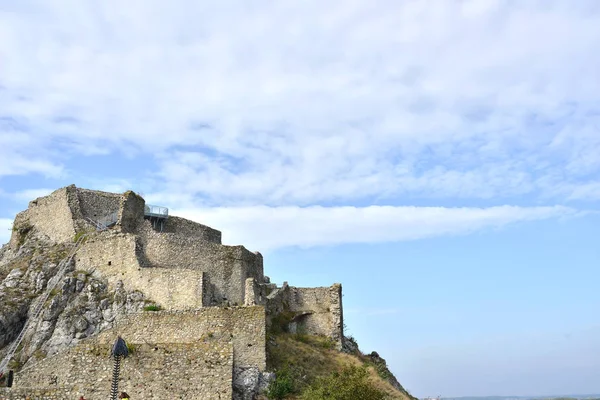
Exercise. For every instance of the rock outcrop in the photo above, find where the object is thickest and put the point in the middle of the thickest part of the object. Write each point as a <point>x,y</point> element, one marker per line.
<point>80,305</point>
<point>198,313</point>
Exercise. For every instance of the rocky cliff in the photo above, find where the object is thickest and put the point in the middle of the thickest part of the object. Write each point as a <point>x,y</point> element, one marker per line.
<point>78,307</point>
<point>221,331</point>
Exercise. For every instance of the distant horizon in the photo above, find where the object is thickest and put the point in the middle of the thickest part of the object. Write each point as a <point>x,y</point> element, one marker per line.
<point>440,159</point>
<point>578,396</point>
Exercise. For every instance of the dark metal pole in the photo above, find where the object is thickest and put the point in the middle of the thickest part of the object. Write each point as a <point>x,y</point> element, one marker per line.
<point>119,351</point>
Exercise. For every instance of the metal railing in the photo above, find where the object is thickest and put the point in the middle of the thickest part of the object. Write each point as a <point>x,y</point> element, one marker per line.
<point>156,211</point>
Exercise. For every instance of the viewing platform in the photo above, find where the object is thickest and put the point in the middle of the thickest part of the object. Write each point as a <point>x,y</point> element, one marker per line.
<point>156,211</point>
<point>157,216</point>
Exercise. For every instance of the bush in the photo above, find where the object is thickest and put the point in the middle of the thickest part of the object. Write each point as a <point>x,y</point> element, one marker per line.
<point>130,348</point>
<point>281,386</point>
<point>349,384</point>
<point>280,323</point>
<point>152,307</point>
<point>78,236</point>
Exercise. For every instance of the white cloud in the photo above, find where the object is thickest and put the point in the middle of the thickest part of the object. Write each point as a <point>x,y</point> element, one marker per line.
<point>589,191</point>
<point>5,230</point>
<point>298,103</point>
<point>21,153</point>
<point>267,228</point>
<point>32,194</point>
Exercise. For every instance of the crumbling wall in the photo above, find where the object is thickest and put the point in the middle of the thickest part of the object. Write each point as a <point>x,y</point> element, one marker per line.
<point>118,257</point>
<point>95,204</point>
<point>50,215</point>
<point>112,254</point>
<point>257,293</point>
<point>131,212</point>
<point>17,393</point>
<point>243,326</point>
<point>226,267</point>
<point>201,370</point>
<point>191,229</point>
<point>317,311</point>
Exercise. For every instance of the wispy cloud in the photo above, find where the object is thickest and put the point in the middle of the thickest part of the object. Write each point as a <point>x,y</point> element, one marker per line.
<point>301,103</point>
<point>31,194</point>
<point>267,228</point>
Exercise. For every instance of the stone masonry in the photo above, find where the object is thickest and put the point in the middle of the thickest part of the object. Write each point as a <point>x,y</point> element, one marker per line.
<point>217,302</point>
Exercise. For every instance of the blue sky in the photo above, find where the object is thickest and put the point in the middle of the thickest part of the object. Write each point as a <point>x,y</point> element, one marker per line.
<point>440,159</point>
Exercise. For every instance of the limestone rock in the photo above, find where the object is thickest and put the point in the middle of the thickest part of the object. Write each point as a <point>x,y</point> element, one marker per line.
<point>249,382</point>
<point>79,306</point>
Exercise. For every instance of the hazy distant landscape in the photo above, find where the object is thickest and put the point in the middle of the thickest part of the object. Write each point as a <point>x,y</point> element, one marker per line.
<point>561,397</point>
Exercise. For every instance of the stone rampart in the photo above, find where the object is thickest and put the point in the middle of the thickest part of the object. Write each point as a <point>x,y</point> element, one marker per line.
<point>318,311</point>
<point>226,267</point>
<point>49,215</point>
<point>200,370</point>
<point>38,394</point>
<point>243,326</point>
<point>95,204</point>
<point>187,228</point>
<point>257,293</point>
<point>131,212</point>
<point>116,257</point>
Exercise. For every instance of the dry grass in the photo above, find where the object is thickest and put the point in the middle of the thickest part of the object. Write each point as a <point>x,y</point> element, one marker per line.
<point>310,357</point>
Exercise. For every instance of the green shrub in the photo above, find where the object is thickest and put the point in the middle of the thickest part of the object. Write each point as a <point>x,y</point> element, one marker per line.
<point>130,348</point>
<point>349,384</point>
<point>301,337</point>
<point>22,233</point>
<point>280,323</point>
<point>152,307</point>
<point>78,236</point>
<point>281,386</point>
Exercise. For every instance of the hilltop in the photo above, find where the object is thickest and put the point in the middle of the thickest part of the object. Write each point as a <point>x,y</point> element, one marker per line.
<point>201,319</point>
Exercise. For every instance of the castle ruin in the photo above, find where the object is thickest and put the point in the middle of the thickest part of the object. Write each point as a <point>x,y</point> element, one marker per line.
<point>216,304</point>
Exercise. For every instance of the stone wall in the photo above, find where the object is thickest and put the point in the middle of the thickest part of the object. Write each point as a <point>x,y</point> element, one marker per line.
<point>50,215</point>
<point>257,293</point>
<point>193,229</point>
<point>116,257</point>
<point>39,394</point>
<point>243,326</point>
<point>131,212</point>
<point>113,254</point>
<point>226,267</point>
<point>318,311</point>
<point>201,370</point>
<point>95,204</point>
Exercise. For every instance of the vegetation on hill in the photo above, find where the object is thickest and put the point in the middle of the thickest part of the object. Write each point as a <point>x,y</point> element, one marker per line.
<point>309,368</point>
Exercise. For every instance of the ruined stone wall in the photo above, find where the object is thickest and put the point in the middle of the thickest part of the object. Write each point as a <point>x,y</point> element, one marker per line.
<point>193,229</point>
<point>39,394</point>
<point>131,212</point>
<point>51,215</point>
<point>243,326</point>
<point>113,254</point>
<point>201,370</point>
<point>318,311</point>
<point>95,204</point>
<point>226,267</point>
<point>116,257</point>
<point>323,310</point>
<point>257,293</point>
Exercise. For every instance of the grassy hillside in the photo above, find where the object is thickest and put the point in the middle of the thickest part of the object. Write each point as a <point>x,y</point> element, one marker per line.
<point>308,363</point>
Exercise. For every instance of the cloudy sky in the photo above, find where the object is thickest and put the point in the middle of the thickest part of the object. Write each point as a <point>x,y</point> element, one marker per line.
<point>440,159</point>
